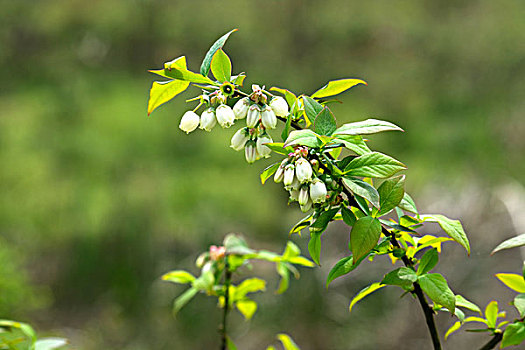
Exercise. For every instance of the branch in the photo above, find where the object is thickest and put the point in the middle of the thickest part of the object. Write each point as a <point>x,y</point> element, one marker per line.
<point>227,281</point>
<point>493,342</point>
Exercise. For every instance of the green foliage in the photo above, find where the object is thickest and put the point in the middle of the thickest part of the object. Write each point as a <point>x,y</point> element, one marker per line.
<point>513,281</point>
<point>221,66</point>
<point>364,236</point>
<point>21,336</point>
<point>364,293</point>
<point>391,193</point>
<point>514,242</point>
<point>436,287</point>
<point>514,334</point>
<point>207,61</point>
<point>403,277</point>
<point>428,261</point>
<point>335,87</point>
<point>374,164</point>
<point>452,228</point>
<point>324,122</point>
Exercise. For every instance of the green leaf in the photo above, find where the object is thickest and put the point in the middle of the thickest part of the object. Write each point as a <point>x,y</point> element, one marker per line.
<point>323,220</point>
<point>183,74</point>
<point>491,314</point>
<point>311,107</point>
<point>348,216</point>
<point>514,242</point>
<point>230,345</point>
<point>452,329</point>
<point>314,246</point>
<point>206,62</point>
<point>287,126</point>
<point>402,276</point>
<point>366,127</point>
<point>250,285</point>
<point>324,123</point>
<point>287,342</point>
<point>514,334</point>
<point>364,293</point>
<point>269,171</point>
<point>183,299</point>
<point>179,62</point>
<point>451,227</point>
<point>238,79</point>
<point>519,304</point>
<point>336,87</point>
<point>246,307</point>
<point>163,91</point>
<point>374,164</point>
<point>428,261</point>
<point>364,236</point>
<point>436,287</point>
<point>290,97</point>
<point>391,193</point>
<point>305,137</point>
<point>303,223</point>
<point>513,281</point>
<point>178,276</point>
<point>408,204</point>
<point>221,66</point>
<point>50,343</point>
<point>278,147</point>
<point>464,303</point>
<point>354,143</point>
<point>363,189</point>
<point>291,251</point>
<point>282,270</point>
<point>343,267</point>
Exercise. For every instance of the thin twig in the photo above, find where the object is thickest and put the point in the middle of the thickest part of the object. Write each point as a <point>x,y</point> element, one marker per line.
<point>227,282</point>
<point>493,342</point>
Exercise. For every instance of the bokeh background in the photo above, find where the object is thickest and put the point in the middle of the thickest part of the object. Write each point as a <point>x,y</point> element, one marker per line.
<point>98,200</point>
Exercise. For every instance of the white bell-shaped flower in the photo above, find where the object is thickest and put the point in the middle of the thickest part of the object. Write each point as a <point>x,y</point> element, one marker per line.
<point>294,195</point>
<point>289,175</point>
<point>318,191</point>
<point>307,206</point>
<point>303,195</point>
<point>250,152</point>
<point>225,115</point>
<point>208,120</point>
<point>303,170</point>
<point>239,139</point>
<point>279,106</point>
<point>262,149</point>
<point>240,109</point>
<point>279,173</point>
<point>268,118</point>
<point>253,116</point>
<point>189,122</point>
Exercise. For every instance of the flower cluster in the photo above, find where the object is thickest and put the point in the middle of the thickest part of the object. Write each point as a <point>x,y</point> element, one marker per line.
<point>297,174</point>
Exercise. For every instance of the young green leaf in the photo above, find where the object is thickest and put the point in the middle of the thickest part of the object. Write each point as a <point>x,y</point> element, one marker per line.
<point>354,143</point>
<point>364,236</point>
<point>363,189</point>
<point>348,216</point>
<point>428,261</point>
<point>303,223</point>
<point>364,293</point>
<point>491,314</point>
<point>452,329</point>
<point>305,137</point>
<point>436,287</point>
<point>519,304</point>
<point>163,91</point>
<point>322,221</point>
<point>269,171</point>
<point>335,87</point>
<point>183,299</point>
<point>221,66</point>
<point>250,285</point>
<point>179,62</point>
<point>464,303</point>
<point>324,123</point>
<point>403,277</point>
<point>514,242</point>
<point>287,342</point>
<point>283,271</point>
<point>278,147</point>
<point>246,307</point>
<point>408,204</point>
<point>374,164</point>
<point>514,334</point>
<point>314,246</point>
<point>343,267</point>
<point>230,345</point>
<point>206,62</point>
<point>391,193</point>
<point>178,276</point>
<point>452,228</point>
<point>366,127</point>
<point>513,281</point>
<point>183,74</point>
<point>290,97</point>
<point>311,107</point>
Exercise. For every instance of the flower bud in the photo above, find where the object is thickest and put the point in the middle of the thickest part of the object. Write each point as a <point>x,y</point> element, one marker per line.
<point>289,175</point>
<point>279,174</point>
<point>303,195</point>
<point>189,122</point>
<point>201,260</point>
<point>307,206</point>
<point>240,109</point>
<point>318,191</point>
<point>239,139</point>
<point>225,115</point>
<point>262,149</point>
<point>279,106</point>
<point>295,184</point>
<point>268,118</point>
<point>303,170</point>
<point>250,152</point>
<point>294,195</point>
<point>253,116</point>
<point>217,253</point>
<point>208,119</point>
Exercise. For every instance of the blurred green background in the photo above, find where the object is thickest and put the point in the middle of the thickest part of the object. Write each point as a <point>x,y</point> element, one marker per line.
<point>98,200</point>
